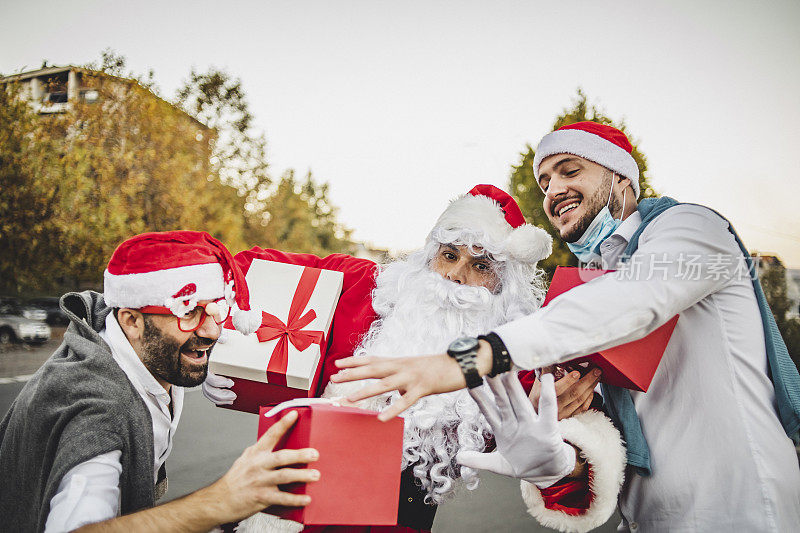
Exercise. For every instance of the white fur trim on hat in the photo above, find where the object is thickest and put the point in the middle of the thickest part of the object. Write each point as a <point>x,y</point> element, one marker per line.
<point>159,286</point>
<point>483,217</point>
<point>247,322</point>
<point>268,523</point>
<point>590,146</point>
<point>476,213</point>
<point>529,244</point>
<point>601,444</point>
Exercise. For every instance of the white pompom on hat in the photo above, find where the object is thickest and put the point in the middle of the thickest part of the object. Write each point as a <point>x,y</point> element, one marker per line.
<point>495,214</point>
<point>603,144</point>
<point>176,269</point>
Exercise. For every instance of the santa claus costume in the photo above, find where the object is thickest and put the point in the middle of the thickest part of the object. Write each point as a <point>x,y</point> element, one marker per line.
<point>406,308</point>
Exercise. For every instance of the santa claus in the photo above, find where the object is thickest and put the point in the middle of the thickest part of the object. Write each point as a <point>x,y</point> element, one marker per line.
<point>476,271</point>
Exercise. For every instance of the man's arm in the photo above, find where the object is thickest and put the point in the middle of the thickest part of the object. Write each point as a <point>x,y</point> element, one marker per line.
<point>605,312</point>
<point>673,269</point>
<point>249,486</point>
<point>88,493</point>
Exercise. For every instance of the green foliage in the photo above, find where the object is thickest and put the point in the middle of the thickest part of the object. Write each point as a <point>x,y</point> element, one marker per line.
<point>790,330</point>
<point>526,191</point>
<point>298,217</point>
<point>773,280</point>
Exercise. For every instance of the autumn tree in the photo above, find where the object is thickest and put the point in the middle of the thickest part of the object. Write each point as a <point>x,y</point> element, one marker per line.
<point>286,214</point>
<point>29,198</point>
<point>76,184</point>
<point>298,217</point>
<point>238,152</point>
<point>526,191</point>
<point>124,163</point>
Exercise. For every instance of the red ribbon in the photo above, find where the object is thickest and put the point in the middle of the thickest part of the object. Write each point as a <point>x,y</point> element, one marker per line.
<point>292,331</point>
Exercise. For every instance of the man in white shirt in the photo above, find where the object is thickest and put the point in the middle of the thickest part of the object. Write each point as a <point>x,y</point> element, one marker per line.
<point>712,428</point>
<point>85,442</point>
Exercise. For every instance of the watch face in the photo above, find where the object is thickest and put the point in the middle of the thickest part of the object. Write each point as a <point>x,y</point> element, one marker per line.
<point>464,344</point>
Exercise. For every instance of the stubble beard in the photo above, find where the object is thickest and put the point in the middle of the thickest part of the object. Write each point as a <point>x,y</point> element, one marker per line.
<point>594,205</point>
<point>162,357</point>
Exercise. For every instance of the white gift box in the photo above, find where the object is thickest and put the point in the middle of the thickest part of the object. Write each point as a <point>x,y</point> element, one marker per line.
<point>273,286</point>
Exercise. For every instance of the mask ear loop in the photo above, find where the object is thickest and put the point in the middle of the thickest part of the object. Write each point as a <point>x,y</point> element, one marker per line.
<point>624,192</point>
<point>611,189</point>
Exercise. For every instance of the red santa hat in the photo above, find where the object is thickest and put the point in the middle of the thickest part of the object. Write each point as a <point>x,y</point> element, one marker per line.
<point>605,145</point>
<point>495,215</point>
<point>176,269</point>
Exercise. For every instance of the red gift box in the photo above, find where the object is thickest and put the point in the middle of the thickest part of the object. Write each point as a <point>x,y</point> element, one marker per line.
<point>631,365</point>
<point>360,460</point>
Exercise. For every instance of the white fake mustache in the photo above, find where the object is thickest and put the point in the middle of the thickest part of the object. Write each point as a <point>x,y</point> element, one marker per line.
<point>456,296</point>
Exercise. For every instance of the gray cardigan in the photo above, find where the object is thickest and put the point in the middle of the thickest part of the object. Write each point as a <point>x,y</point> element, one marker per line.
<point>78,405</point>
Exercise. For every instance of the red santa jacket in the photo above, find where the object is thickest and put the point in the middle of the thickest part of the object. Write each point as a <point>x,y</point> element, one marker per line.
<point>351,321</point>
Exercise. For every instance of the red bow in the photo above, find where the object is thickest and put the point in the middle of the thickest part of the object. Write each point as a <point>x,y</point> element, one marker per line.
<point>273,328</point>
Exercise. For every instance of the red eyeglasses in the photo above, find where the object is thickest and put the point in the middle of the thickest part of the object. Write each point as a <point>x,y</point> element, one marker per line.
<point>218,310</point>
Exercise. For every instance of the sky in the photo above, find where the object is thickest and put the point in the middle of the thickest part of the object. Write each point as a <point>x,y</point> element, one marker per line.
<point>402,106</point>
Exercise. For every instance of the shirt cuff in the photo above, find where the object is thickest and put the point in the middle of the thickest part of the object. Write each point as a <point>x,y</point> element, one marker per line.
<point>528,343</point>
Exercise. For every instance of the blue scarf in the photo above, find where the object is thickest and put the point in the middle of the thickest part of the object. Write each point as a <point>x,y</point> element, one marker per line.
<point>782,370</point>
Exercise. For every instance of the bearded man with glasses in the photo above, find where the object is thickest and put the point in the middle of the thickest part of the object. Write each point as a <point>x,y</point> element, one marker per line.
<point>84,444</point>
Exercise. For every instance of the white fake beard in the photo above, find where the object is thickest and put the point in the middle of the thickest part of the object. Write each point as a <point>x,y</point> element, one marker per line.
<point>422,313</point>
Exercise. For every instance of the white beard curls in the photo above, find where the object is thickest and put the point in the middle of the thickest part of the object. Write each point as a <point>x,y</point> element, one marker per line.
<point>422,313</point>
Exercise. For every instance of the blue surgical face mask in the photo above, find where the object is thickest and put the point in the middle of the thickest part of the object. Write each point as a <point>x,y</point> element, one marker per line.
<point>587,247</point>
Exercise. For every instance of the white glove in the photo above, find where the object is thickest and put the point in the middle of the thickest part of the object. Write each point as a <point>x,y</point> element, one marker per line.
<point>218,389</point>
<point>529,446</point>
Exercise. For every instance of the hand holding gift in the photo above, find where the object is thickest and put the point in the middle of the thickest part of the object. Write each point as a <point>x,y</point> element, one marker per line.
<point>253,482</point>
<point>574,388</point>
<point>218,389</point>
<point>361,456</point>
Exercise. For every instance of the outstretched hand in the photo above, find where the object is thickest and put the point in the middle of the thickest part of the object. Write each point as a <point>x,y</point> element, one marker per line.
<point>413,377</point>
<point>529,445</point>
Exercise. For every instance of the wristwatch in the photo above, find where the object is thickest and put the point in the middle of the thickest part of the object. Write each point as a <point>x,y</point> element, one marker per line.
<point>464,351</point>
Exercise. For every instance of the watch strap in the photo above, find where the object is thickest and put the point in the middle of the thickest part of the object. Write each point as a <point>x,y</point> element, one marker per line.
<point>501,360</point>
<point>469,367</point>
<point>468,363</point>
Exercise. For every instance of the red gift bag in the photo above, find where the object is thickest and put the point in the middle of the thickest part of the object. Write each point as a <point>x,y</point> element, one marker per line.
<point>631,365</point>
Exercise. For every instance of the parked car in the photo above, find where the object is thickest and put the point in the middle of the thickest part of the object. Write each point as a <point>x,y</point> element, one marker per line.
<point>55,316</point>
<point>21,323</point>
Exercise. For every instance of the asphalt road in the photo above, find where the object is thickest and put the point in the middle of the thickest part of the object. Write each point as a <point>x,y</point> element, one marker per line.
<point>209,439</point>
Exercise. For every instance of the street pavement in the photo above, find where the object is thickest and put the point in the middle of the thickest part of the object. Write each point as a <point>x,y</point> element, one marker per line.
<point>209,439</point>
<point>21,359</point>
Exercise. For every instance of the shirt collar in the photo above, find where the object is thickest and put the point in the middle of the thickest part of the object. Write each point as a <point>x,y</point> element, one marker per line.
<point>129,361</point>
<point>629,226</point>
<point>613,246</point>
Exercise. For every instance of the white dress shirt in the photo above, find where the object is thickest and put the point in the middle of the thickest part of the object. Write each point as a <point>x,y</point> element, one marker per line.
<point>89,492</point>
<point>719,455</point>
